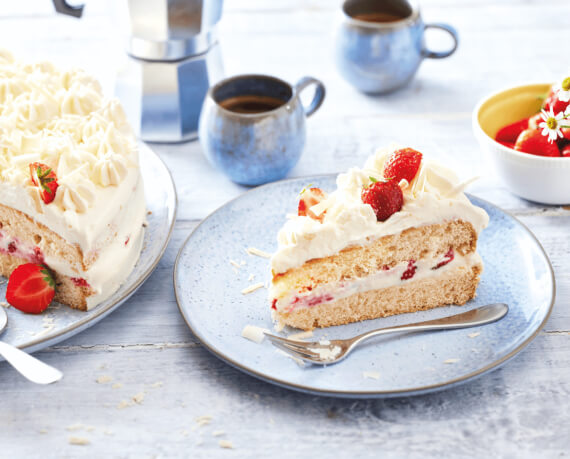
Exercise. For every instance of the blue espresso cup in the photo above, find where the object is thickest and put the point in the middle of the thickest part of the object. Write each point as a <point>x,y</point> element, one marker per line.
<point>380,43</point>
<point>252,127</point>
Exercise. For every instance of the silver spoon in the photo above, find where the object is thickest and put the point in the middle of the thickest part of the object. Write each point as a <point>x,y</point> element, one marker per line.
<point>28,366</point>
<point>325,353</point>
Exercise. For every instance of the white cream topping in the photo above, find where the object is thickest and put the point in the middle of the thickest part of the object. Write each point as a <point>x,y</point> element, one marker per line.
<point>60,118</point>
<point>328,293</point>
<point>435,195</point>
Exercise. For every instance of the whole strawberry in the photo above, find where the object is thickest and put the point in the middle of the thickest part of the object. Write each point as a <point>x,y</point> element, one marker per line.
<point>386,198</point>
<point>310,197</point>
<point>403,164</point>
<point>45,179</point>
<point>532,141</point>
<point>31,288</point>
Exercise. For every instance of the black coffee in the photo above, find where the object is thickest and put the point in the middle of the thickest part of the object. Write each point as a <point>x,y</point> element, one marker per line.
<point>378,17</point>
<point>251,104</point>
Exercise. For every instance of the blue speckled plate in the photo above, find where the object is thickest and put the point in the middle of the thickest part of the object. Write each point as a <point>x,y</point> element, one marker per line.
<point>208,289</point>
<point>57,323</point>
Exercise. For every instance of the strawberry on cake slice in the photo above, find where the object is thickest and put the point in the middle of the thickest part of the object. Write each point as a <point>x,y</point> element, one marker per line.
<point>397,236</point>
<point>71,193</point>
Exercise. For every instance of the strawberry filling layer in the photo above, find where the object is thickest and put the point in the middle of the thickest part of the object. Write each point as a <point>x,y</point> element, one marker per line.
<point>387,276</point>
<point>12,246</point>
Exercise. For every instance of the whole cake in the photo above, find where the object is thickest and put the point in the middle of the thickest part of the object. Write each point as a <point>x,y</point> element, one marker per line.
<point>71,193</point>
<point>397,236</point>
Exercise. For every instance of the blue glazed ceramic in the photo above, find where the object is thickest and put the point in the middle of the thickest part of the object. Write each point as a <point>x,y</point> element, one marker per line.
<point>256,148</point>
<point>208,290</point>
<point>379,57</point>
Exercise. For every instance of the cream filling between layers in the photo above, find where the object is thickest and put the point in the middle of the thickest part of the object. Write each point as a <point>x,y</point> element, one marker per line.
<point>327,293</point>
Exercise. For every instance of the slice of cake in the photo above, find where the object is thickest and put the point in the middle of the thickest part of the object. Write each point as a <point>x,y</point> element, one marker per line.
<point>71,193</point>
<point>397,236</point>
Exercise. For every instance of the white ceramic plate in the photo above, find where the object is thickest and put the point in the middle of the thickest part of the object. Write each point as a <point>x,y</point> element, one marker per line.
<point>208,289</point>
<point>58,322</point>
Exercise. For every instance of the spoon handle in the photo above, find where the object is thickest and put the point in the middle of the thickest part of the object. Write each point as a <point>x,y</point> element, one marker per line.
<point>30,367</point>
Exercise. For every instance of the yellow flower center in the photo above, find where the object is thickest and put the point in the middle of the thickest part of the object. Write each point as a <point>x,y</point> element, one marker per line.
<point>566,84</point>
<point>552,123</point>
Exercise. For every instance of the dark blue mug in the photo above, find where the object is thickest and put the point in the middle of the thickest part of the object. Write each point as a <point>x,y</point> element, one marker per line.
<point>252,127</point>
<point>380,43</point>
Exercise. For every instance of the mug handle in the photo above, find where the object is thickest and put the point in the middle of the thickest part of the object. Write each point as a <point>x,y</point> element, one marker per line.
<point>441,54</point>
<point>317,98</point>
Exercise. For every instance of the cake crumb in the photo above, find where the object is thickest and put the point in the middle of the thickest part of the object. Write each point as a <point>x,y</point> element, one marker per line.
<point>370,375</point>
<point>4,304</point>
<point>301,336</point>
<point>328,354</point>
<point>79,441</point>
<point>43,431</point>
<point>252,288</point>
<point>202,421</point>
<point>451,361</point>
<point>74,427</point>
<point>251,277</point>
<point>138,398</point>
<point>117,385</point>
<point>103,379</point>
<point>257,252</point>
<point>474,334</point>
<point>123,404</point>
<point>279,326</point>
<point>108,432</point>
<point>226,444</point>
<point>218,433</point>
<point>242,263</point>
<point>156,384</point>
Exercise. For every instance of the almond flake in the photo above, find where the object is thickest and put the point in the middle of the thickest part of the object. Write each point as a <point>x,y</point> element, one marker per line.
<point>226,444</point>
<point>78,441</point>
<point>474,334</point>
<point>138,398</point>
<point>257,252</point>
<point>252,288</point>
<point>253,333</point>
<point>451,361</point>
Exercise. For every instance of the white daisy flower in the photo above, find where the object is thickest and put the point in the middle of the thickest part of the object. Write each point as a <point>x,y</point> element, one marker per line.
<point>551,125</point>
<point>564,90</point>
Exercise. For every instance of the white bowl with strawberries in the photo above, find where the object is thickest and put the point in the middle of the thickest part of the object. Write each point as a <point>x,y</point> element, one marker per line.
<point>525,133</point>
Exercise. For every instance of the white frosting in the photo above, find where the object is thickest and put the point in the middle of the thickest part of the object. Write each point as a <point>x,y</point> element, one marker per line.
<point>327,293</point>
<point>60,118</point>
<point>435,195</point>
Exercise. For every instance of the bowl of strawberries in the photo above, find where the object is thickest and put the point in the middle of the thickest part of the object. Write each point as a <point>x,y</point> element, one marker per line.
<point>525,132</point>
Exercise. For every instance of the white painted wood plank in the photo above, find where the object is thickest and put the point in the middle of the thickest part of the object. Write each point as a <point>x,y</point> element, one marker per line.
<point>517,411</point>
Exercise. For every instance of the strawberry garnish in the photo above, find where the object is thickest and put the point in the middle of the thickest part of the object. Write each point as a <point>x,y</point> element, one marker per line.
<point>532,141</point>
<point>403,164</point>
<point>510,132</point>
<point>31,288</point>
<point>386,198</point>
<point>552,101</point>
<point>44,177</point>
<point>310,197</point>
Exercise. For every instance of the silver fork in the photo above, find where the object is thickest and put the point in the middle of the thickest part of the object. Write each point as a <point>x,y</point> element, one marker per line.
<point>333,351</point>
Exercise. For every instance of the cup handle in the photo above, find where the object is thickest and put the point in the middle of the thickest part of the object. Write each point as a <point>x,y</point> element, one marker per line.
<point>317,98</point>
<point>441,54</point>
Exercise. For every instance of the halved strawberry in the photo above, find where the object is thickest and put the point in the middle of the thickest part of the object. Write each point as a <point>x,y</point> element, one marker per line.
<point>532,141</point>
<point>510,132</point>
<point>310,197</point>
<point>31,288</point>
<point>44,177</point>
<point>566,151</point>
<point>386,198</point>
<point>403,164</point>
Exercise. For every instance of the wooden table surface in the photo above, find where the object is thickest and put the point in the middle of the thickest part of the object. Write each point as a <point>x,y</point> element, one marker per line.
<point>148,353</point>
